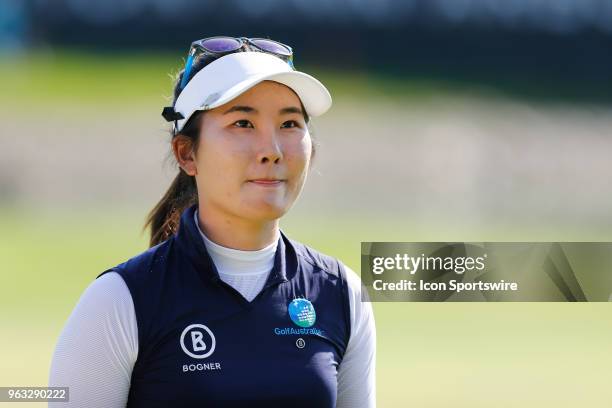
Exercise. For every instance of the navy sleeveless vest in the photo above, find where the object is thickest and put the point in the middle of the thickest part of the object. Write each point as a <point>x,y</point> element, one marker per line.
<point>201,344</point>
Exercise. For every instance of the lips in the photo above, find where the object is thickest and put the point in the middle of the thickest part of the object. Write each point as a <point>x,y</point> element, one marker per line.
<point>267,181</point>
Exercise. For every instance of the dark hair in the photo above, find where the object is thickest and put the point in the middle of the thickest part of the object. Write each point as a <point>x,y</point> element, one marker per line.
<point>164,218</point>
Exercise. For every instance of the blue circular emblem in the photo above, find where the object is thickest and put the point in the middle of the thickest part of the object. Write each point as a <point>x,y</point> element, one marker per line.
<point>302,312</point>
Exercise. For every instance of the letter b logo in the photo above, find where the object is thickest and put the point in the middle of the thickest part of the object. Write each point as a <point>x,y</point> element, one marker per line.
<point>197,342</point>
<point>200,336</point>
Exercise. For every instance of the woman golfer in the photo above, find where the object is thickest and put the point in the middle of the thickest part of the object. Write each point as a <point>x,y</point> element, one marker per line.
<point>224,310</point>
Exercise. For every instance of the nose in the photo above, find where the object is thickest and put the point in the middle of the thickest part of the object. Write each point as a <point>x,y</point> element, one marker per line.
<point>269,147</point>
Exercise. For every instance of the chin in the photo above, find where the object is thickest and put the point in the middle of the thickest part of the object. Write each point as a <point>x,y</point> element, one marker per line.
<point>266,212</point>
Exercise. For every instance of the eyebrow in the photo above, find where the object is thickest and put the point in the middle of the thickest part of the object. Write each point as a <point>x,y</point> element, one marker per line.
<point>248,109</point>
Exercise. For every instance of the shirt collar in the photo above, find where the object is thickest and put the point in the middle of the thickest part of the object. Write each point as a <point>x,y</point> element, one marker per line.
<point>190,241</point>
<point>253,257</point>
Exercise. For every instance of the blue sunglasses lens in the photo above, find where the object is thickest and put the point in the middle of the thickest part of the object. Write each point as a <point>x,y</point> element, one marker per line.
<point>223,44</point>
<point>272,46</point>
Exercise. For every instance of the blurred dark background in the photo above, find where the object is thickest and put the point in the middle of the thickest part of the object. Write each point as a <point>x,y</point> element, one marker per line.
<point>538,48</point>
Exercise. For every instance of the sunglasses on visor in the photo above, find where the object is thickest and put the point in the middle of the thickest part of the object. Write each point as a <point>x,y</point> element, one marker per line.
<point>221,45</point>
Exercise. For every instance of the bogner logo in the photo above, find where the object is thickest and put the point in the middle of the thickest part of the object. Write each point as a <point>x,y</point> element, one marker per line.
<point>198,341</point>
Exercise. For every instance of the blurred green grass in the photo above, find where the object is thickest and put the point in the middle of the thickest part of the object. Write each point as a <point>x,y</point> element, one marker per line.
<point>67,77</point>
<point>46,79</point>
<point>429,355</point>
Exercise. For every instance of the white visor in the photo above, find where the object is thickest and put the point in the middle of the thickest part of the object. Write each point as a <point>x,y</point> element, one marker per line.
<point>229,76</point>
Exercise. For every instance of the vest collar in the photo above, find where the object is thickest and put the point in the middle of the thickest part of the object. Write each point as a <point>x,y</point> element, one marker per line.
<point>190,241</point>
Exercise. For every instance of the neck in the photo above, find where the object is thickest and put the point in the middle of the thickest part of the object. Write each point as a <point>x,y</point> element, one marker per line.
<point>237,233</point>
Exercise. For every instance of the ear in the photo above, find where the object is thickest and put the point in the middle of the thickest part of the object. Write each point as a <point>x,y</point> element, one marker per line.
<point>183,149</point>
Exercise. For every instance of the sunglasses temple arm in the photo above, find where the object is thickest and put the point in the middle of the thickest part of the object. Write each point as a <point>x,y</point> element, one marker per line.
<point>187,69</point>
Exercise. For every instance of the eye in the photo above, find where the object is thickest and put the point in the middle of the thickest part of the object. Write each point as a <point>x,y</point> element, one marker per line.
<point>243,123</point>
<point>290,124</point>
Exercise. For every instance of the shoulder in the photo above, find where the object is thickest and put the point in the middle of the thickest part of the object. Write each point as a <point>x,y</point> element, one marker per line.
<point>361,307</point>
<point>107,289</point>
<point>328,264</point>
<point>107,299</point>
<point>105,311</point>
<point>98,346</point>
<point>317,259</point>
<point>142,263</point>
<point>353,281</point>
<point>361,311</point>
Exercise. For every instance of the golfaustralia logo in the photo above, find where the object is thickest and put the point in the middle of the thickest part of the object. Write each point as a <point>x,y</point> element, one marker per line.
<point>198,341</point>
<point>303,314</point>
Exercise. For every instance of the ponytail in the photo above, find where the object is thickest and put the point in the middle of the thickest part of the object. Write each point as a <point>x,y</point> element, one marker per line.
<point>164,218</point>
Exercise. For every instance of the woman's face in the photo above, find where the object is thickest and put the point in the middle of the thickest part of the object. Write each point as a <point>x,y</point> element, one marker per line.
<point>254,153</point>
